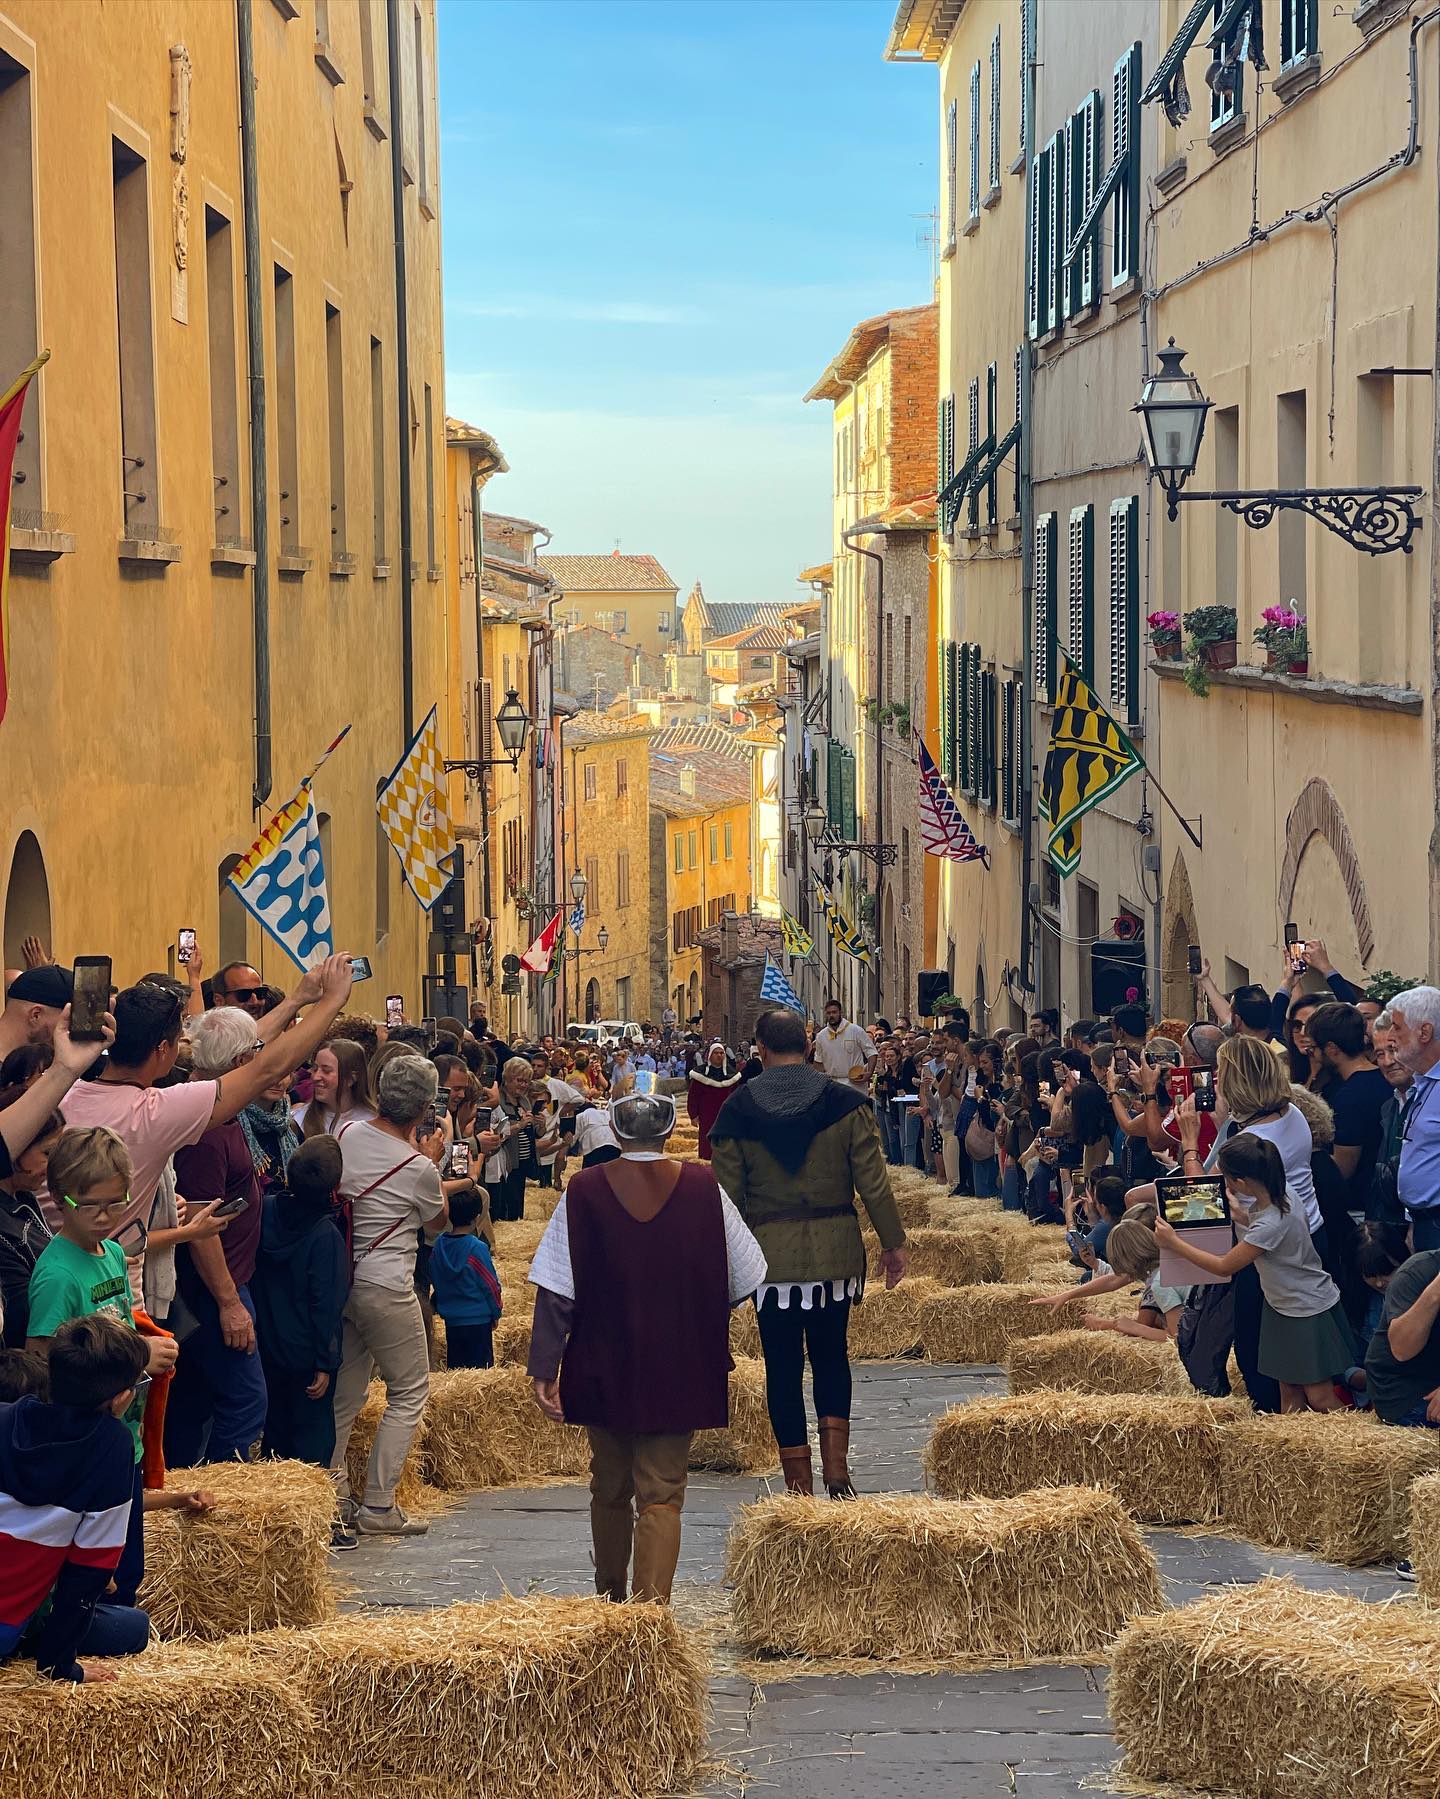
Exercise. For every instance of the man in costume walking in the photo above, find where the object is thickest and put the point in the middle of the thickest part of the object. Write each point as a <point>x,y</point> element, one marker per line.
<point>793,1148</point>
<point>637,1271</point>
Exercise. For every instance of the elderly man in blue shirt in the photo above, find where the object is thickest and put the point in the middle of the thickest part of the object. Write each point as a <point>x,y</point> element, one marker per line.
<point>1415,1038</point>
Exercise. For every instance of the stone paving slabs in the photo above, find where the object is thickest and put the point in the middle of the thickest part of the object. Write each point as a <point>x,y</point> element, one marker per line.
<point>1033,1732</point>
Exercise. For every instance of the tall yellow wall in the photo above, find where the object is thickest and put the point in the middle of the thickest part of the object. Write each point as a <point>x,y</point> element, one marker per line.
<point>128,748</point>
<point>603,828</point>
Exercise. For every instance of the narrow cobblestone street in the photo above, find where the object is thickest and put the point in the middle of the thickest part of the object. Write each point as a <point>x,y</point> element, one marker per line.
<point>980,1735</point>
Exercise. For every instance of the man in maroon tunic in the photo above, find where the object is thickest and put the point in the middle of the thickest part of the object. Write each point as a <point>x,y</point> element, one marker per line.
<point>636,1274</point>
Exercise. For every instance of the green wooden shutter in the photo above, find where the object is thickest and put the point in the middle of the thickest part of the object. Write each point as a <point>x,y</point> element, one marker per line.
<point>1089,129</point>
<point>987,737</point>
<point>1027,40</point>
<point>952,172</point>
<point>1125,606</point>
<point>1070,216</point>
<point>833,753</point>
<point>1039,243</point>
<point>1045,579</point>
<point>995,109</point>
<point>847,795</point>
<point>1125,146</point>
<point>1082,590</point>
<point>975,142</point>
<point>952,774</point>
<point>992,433</point>
<point>942,692</point>
<point>1054,267</point>
<point>974,396</point>
<point>1019,408</point>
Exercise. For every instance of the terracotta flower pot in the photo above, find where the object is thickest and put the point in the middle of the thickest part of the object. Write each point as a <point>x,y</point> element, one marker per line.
<point>1302,667</point>
<point>1167,649</point>
<point>1285,662</point>
<point>1219,655</point>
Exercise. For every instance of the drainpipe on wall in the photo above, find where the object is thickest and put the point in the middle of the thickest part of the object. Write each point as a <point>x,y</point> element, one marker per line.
<point>255,381</point>
<point>402,369</point>
<point>852,531</point>
<point>477,534</point>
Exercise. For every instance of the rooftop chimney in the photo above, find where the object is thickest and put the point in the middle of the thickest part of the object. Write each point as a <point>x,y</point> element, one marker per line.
<point>729,937</point>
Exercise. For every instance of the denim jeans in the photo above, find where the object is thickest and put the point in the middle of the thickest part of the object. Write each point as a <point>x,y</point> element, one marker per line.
<point>115,1630</point>
<point>1425,1229</point>
<point>986,1177</point>
<point>885,1124</point>
<point>216,1409</point>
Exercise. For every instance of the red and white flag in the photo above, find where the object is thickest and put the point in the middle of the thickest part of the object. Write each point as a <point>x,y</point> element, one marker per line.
<point>537,957</point>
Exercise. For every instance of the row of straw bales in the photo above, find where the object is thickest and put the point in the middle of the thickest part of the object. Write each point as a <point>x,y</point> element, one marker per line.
<point>521,1698</point>
<point>1335,1484</point>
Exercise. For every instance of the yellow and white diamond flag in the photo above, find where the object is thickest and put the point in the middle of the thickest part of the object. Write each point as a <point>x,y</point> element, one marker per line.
<point>415,816</point>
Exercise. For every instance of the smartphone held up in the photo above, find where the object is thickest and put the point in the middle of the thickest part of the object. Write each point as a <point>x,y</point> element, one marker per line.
<point>91,1000</point>
<point>185,947</point>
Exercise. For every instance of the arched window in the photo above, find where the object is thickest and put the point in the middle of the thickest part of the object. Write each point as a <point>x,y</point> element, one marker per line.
<point>694,994</point>
<point>27,899</point>
<point>233,918</point>
<point>592,1001</point>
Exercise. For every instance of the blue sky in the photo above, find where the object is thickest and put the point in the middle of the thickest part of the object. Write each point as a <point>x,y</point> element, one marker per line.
<point>661,218</point>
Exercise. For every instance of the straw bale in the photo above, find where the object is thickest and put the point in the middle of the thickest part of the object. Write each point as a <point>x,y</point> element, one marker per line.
<point>482,1428</point>
<point>913,1207</point>
<point>517,1239</point>
<point>744,1331</point>
<point>413,1492</point>
<point>1160,1455</point>
<point>957,1258</point>
<point>259,1559</point>
<point>1335,1483</point>
<point>910,1578</point>
<point>1277,1692</point>
<point>978,1324</point>
<point>886,1324</point>
<point>521,1698</point>
<point>512,1338</point>
<point>1425,1535</point>
<point>1081,1361</point>
<point>748,1445</point>
<point>179,1719</point>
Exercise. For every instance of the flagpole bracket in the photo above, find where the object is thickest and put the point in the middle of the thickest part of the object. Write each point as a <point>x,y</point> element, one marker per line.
<point>883,855</point>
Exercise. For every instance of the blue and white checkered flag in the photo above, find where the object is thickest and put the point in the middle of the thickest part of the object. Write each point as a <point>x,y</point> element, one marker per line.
<point>775,989</point>
<point>281,882</point>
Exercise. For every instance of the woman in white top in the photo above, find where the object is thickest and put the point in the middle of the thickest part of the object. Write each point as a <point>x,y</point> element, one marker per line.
<point>393,1185</point>
<point>1255,1089</point>
<point>340,1081</point>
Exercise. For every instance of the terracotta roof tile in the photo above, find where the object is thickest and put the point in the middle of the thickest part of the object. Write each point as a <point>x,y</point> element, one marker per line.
<point>608,574</point>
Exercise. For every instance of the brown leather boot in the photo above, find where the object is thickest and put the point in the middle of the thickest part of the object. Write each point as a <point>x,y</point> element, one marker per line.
<point>612,1530</point>
<point>657,1550</point>
<point>834,1453</point>
<point>798,1469</point>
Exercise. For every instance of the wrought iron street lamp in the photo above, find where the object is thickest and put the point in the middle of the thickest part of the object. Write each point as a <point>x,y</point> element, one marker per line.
<point>512,725</point>
<point>578,886</point>
<point>1172,412</point>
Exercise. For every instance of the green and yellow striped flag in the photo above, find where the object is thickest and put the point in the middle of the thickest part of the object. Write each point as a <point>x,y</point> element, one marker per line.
<point>797,940</point>
<point>843,934</point>
<point>1089,757</point>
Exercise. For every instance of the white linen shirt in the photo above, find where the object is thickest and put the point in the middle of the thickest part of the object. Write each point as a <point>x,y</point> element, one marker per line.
<point>551,1268</point>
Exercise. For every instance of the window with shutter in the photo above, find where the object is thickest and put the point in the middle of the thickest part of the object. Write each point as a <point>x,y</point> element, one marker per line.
<point>1045,575</point>
<point>1125,607</point>
<point>987,737</point>
<point>1078,280</point>
<point>1039,244</point>
<point>975,142</point>
<point>942,702</point>
<point>952,774</point>
<point>1070,219</point>
<point>1052,270</point>
<point>946,469</point>
<point>992,426</point>
<point>1299,30</point>
<point>1125,151</point>
<point>1225,103</point>
<point>833,806</point>
<point>1019,408</point>
<point>1027,40</point>
<point>1082,590</point>
<point>1007,766</point>
<point>952,172</point>
<point>974,397</point>
<point>486,721</point>
<point>995,111</point>
<point>847,776</point>
<point>967,718</point>
<point>1088,131</point>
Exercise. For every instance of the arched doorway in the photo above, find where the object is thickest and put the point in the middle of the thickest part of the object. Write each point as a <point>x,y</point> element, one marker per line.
<point>592,1001</point>
<point>27,899</point>
<point>694,996</point>
<point>233,916</point>
<point>982,1011</point>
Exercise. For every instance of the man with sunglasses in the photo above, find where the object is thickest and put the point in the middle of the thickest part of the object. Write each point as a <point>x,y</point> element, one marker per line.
<point>238,984</point>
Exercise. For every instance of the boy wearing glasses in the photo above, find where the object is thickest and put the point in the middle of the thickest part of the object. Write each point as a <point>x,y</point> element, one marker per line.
<point>81,1272</point>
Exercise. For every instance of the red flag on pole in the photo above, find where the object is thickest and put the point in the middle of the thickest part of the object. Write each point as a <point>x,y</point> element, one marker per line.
<point>537,957</point>
<point>12,405</point>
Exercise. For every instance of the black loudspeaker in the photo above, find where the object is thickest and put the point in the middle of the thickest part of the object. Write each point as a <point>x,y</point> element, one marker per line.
<point>1116,965</point>
<point>931,983</point>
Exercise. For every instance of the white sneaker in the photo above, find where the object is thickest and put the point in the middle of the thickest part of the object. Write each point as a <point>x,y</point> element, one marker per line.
<point>371,1521</point>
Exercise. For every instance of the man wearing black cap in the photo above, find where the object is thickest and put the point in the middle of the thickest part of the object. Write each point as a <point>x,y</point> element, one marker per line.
<point>34,1001</point>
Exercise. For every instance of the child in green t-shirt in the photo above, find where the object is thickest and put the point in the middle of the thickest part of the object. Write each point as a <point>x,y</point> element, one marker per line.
<point>82,1271</point>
